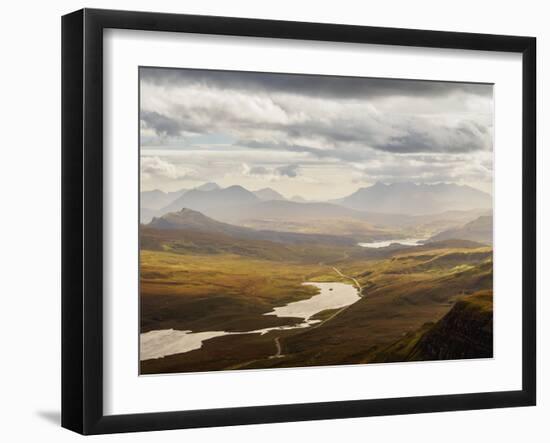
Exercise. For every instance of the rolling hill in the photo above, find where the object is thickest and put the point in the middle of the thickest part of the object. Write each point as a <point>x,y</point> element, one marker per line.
<point>318,218</point>
<point>479,230</point>
<point>215,199</point>
<point>331,218</point>
<point>289,210</point>
<point>194,220</point>
<point>152,203</point>
<point>190,220</point>
<point>156,199</point>
<point>466,331</point>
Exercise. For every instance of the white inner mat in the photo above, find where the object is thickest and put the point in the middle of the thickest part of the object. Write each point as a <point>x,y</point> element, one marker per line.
<point>126,392</point>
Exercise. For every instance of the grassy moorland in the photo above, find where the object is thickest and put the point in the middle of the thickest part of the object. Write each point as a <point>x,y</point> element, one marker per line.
<point>219,291</point>
<point>204,282</point>
<point>402,294</point>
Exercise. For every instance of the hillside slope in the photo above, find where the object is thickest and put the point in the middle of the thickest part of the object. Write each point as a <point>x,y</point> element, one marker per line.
<point>190,220</point>
<point>200,200</point>
<point>466,331</point>
<point>268,194</point>
<point>479,230</point>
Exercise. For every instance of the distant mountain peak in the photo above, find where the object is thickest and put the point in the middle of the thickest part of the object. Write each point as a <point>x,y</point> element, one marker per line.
<point>204,201</point>
<point>189,211</point>
<point>479,230</point>
<point>210,186</point>
<point>185,218</point>
<point>236,187</point>
<point>405,184</point>
<point>298,198</point>
<point>268,194</point>
<point>378,184</point>
<point>416,199</point>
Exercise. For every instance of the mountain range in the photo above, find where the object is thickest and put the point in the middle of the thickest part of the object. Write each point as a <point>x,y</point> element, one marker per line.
<point>398,204</point>
<point>233,196</point>
<point>158,199</point>
<point>416,199</point>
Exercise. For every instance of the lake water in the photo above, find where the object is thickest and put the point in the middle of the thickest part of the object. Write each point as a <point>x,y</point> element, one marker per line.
<point>332,296</point>
<point>386,243</point>
<point>157,344</point>
<point>160,343</point>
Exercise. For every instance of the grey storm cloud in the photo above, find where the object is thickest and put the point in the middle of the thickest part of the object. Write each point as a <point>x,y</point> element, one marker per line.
<point>346,119</point>
<point>342,139</point>
<point>348,140</point>
<point>288,170</point>
<point>344,87</point>
<point>410,169</point>
<point>259,170</point>
<point>342,153</point>
<point>163,125</point>
<point>463,138</point>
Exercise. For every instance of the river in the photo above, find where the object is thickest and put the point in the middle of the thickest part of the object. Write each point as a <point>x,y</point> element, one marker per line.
<point>332,295</point>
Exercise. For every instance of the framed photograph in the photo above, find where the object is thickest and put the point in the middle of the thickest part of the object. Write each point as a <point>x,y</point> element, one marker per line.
<point>269,221</point>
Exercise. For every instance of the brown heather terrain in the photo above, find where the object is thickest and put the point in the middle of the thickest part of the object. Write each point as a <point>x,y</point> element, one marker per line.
<point>466,331</point>
<point>419,303</point>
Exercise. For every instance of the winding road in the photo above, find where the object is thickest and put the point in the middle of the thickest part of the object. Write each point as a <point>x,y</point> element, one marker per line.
<point>277,340</point>
<point>354,280</point>
<point>278,354</point>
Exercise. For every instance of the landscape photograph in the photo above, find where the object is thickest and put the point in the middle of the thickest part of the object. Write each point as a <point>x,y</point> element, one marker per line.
<point>292,220</point>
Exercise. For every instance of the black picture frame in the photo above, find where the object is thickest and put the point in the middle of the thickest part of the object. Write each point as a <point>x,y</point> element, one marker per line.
<point>82,218</point>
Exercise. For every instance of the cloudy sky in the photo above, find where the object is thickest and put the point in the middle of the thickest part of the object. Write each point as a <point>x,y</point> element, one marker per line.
<point>316,136</point>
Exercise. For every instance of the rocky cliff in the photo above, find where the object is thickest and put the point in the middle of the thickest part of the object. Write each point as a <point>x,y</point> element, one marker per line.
<point>466,331</point>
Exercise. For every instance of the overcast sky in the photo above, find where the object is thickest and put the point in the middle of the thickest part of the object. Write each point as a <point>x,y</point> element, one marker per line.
<point>315,136</point>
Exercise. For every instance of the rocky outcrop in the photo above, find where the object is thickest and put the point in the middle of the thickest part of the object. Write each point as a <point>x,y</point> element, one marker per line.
<point>466,331</point>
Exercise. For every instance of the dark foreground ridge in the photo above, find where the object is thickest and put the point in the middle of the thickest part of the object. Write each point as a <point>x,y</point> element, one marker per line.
<point>464,332</point>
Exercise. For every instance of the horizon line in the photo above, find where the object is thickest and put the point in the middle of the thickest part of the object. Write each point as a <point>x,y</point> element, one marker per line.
<point>379,182</point>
